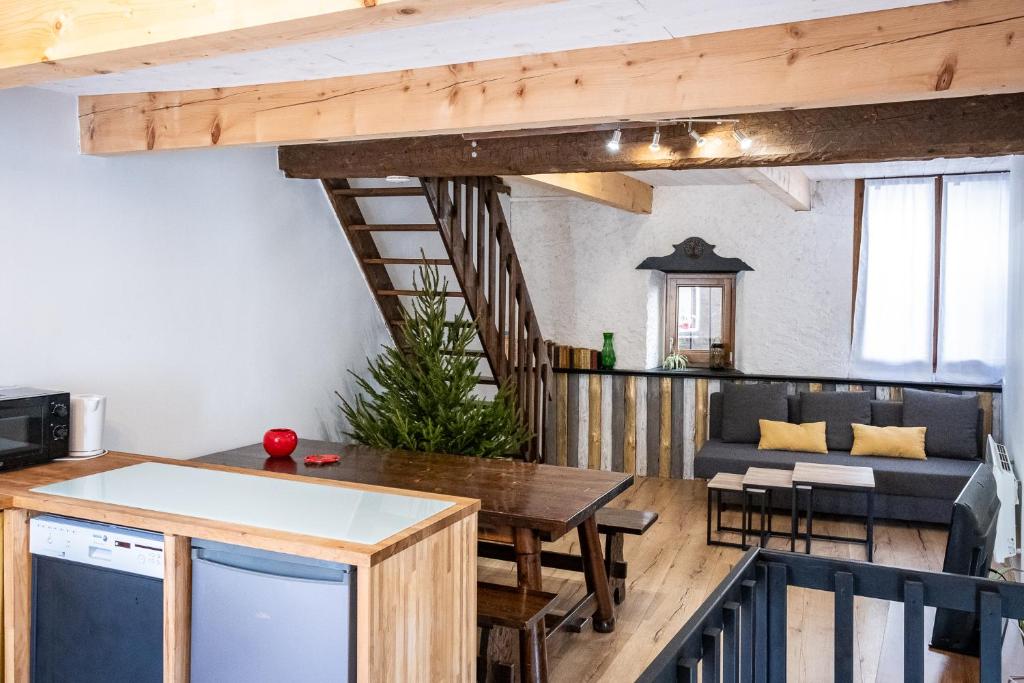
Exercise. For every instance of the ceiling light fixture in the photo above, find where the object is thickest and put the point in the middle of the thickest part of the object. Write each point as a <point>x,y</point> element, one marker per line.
<point>397,179</point>
<point>656,140</point>
<point>696,136</point>
<point>743,139</point>
<point>615,142</point>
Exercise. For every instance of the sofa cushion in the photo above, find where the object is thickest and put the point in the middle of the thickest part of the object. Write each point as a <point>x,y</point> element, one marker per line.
<point>952,422</point>
<point>808,437</point>
<point>839,409</point>
<point>932,478</point>
<point>715,415</point>
<point>793,407</point>
<point>744,404</point>
<point>887,413</point>
<point>891,442</point>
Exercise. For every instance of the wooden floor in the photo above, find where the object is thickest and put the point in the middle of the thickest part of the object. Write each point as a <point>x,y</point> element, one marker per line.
<point>672,570</point>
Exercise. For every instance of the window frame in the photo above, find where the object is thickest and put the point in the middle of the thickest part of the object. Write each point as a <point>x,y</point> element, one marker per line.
<point>673,281</point>
<point>858,228</point>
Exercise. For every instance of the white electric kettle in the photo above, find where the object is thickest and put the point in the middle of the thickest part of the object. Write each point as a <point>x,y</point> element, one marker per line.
<point>87,413</point>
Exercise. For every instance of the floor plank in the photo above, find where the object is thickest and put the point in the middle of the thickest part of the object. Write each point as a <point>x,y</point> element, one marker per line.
<point>672,570</point>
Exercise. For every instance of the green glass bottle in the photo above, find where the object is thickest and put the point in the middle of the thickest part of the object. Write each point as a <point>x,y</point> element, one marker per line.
<point>608,352</point>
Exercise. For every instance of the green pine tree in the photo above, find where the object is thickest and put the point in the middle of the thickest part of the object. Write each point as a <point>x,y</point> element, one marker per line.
<point>422,398</point>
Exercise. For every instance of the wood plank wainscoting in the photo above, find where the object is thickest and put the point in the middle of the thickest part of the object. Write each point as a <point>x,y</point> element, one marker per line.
<point>652,422</point>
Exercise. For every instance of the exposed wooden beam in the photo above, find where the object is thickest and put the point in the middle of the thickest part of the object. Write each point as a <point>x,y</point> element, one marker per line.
<point>922,52</point>
<point>962,127</point>
<point>611,189</point>
<point>49,40</point>
<point>791,186</point>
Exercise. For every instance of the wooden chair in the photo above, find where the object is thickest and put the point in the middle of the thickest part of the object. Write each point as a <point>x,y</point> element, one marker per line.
<point>519,609</point>
<point>614,523</point>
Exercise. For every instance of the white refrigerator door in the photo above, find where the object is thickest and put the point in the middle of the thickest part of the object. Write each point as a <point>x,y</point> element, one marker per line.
<point>254,627</point>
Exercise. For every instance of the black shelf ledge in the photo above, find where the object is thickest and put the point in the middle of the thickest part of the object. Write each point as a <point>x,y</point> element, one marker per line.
<point>705,373</point>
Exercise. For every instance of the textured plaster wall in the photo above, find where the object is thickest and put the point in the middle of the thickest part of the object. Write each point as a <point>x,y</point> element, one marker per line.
<point>793,312</point>
<point>204,294</point>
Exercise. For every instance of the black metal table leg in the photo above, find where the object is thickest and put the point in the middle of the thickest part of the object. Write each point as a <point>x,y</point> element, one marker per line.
<point>793,521</point>
<point>871,525</point>
<point>744,525</point>
<point>810,520</point>
<point>763,541</point>
<point>710,492</point>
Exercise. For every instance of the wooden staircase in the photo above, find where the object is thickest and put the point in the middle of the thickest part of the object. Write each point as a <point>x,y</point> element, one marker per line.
<point>471,224</point>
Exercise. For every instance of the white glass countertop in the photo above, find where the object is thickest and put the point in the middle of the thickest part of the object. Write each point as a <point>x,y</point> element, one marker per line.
<point>335,512</point>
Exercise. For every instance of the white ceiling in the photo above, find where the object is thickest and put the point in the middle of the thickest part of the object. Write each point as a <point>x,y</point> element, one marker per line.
<point>563,25</point>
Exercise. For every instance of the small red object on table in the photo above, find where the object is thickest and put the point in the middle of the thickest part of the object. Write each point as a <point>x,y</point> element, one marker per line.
<point>322,459</point>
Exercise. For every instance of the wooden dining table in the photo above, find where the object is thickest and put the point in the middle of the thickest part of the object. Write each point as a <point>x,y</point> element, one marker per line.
<point>521,503</point>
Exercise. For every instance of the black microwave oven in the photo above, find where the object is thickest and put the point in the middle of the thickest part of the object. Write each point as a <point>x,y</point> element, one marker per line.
<point>33,426</point>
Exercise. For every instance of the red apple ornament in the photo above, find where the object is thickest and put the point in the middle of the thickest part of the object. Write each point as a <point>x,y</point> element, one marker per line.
<point>280,443</point>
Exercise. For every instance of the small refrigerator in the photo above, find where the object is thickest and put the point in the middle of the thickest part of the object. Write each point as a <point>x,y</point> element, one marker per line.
<point>259,616</point>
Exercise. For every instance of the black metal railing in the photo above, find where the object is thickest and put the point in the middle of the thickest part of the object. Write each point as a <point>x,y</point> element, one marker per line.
<point>739,632</point>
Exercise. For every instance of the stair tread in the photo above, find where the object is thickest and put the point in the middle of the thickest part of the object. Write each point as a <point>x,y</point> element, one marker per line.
<point>413,292</point>
<point>394,227</point>
<point>388,261</point>
<point>378,192</point>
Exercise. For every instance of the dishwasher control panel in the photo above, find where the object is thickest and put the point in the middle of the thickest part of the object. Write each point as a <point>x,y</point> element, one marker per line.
<point>100,545</point>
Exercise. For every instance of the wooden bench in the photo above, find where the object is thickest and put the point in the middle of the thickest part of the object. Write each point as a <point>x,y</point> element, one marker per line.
<point>522,610</point>
<point>615,523</point>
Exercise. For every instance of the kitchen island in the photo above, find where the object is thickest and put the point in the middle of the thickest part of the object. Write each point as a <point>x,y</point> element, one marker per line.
<point>414,553</point>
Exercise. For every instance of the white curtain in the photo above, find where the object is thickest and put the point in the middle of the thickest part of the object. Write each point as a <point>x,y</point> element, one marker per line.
<point>972,302</point>
<point>893,324</point>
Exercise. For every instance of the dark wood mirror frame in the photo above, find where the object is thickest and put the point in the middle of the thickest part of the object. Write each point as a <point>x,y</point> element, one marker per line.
<point>727,283</point>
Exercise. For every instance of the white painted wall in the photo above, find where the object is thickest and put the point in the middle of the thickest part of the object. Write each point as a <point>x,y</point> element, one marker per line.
<point>1013,382</point>
<point>793,313</point>
<point>208,297</point>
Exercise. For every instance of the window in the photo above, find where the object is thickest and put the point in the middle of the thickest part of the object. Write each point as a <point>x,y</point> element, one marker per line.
<point>931,278</point>
<point>699,311</point>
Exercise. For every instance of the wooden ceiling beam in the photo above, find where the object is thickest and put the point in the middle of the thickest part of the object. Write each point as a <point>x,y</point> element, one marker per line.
<point>948,49</point>
<point>791,186</point>
<point>50,40</point>
<point>611,189</point>
<point>962,127</point>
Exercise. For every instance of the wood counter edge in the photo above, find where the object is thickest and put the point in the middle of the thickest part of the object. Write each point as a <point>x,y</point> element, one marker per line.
<point>15,493</point>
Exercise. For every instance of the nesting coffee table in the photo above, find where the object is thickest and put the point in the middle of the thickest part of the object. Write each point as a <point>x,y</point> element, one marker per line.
<point>804,478</point>
<point>810,477</point>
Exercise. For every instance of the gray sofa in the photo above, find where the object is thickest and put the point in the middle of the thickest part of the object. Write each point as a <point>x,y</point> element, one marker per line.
<point>911,490</point>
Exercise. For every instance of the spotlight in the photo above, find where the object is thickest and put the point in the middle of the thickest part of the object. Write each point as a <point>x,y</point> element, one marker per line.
<point>697,138</point>
<point>743,139</point>
<point>613,144</point>
<point>397,179</point>
<point>656,140</point>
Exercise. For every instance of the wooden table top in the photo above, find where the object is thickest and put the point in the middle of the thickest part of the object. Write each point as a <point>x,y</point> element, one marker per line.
<point>768,477</point>
<point>16,492</point>
<point>550,499</point>
<point>835,476</point>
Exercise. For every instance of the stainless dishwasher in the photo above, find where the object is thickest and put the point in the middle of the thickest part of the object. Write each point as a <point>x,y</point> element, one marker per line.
<point>262,616</point>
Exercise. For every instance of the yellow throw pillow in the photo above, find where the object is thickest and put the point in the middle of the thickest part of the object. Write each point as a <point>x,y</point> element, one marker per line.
<point>786,436</point>
<point>890,442</point>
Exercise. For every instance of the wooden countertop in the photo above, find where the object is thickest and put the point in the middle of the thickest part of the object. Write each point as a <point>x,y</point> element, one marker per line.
<point>15,492</point>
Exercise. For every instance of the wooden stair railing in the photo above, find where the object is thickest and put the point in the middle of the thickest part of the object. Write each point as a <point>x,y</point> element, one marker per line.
<point>471,224</point>
<point>476,235</point>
